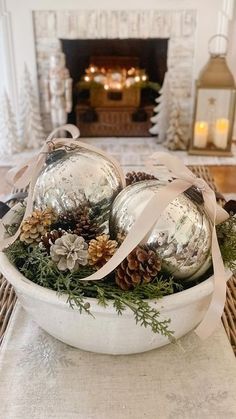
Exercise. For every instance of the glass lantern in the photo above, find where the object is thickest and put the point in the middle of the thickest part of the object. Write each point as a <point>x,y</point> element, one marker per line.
<point>214,107</point>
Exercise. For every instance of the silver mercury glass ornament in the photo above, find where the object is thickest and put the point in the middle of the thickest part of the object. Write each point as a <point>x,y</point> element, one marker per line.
<point>181,236</point>
<point>77,177</point>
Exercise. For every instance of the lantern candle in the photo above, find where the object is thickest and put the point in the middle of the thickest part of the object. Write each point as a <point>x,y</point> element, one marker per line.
<point>221,133</point>
<point>200,134</point>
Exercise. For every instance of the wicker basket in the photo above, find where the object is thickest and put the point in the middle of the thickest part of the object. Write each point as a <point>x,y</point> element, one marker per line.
<point>99,97</point>
<point>113,122</point>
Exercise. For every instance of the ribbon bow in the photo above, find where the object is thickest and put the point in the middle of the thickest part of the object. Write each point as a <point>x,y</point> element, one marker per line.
<point>147,219</point>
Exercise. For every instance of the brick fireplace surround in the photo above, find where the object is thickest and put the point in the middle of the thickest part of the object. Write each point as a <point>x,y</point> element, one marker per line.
<point>178,26</point>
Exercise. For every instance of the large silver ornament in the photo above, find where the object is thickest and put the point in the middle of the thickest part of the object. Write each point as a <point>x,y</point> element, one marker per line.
<point>181,236</point>
<point>77,177</point>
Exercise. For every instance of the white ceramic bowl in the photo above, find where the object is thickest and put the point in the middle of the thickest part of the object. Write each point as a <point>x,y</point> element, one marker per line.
<point>106,332</point>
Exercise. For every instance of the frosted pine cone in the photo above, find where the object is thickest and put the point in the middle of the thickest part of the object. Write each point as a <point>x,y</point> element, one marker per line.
<point>101,250</point>
<point>134,177</point>
<point>69,252</point>
<point>36,225</point>
<point>140,266</point>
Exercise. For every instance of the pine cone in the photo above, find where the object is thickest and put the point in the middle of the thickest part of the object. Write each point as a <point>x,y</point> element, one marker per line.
<point>101,250</point>
<point>85,227</point>
<point>134,177</point>
<point>65,221</point>
<point>36,225</point>
<point>140,267</point>
<point>50,237</point>
<point>230,207</point>
<point>79,222</point>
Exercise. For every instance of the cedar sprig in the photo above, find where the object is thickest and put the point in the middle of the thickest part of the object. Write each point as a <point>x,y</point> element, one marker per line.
<point>36,265</point>
<point>149,317</point>
<point>226,233</point>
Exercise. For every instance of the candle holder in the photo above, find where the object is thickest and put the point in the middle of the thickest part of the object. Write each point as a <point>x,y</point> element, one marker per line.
<point>214,107</point>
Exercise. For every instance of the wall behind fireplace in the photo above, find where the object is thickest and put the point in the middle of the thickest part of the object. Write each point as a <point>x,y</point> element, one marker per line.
<point>18,43</point>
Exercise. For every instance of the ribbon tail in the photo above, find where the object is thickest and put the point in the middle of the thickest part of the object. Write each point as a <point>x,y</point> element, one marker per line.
<point>221,215</point>
<point>214,312</point>
<point>20,176</point>
<point>29,206</point>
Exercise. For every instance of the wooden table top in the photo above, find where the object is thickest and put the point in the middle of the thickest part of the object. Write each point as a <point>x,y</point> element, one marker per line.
<point>224,176</point>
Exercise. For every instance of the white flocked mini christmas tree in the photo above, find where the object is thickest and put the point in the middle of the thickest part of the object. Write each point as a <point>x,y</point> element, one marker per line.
<point>9,144</point>
<point>31,128</point>
<point>162,110</point>
<point>176,139</point>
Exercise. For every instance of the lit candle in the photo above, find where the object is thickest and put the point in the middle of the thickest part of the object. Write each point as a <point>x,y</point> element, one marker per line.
<point>106,87</point>
<point>144,78</point>
<point>86,78</point>
<point>137,79</point>
<point>200,134</point>
<point>221,133</point>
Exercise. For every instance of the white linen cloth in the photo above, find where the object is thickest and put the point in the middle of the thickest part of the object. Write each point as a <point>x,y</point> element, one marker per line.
<point>42,378</point>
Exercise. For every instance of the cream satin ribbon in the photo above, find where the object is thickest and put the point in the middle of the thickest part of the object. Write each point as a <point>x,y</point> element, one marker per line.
<point>147,219</point>
<point>217,215</point>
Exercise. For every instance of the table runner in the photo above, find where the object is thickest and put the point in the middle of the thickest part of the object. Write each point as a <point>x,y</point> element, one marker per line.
<point>132,153</point>
<point>42,378</point>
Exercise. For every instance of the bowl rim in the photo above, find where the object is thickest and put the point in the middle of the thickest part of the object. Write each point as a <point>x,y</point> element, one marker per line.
<point>167,303</point>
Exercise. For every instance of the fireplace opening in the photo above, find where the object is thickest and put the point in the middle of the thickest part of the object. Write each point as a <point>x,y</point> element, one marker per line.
<point>115,84</point>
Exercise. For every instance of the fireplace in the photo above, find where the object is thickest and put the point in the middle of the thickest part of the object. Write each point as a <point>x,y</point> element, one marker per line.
<point>57,29</point>
<point>120,110</point>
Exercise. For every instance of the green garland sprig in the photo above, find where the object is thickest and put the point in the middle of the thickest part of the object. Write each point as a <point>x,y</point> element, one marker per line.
<point>83,85</point>
<point>226,233</point>
<point>37,266</point>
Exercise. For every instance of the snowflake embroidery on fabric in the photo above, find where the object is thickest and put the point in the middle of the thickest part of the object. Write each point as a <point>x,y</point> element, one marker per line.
<point>45,355</point>
<point>208,406</point>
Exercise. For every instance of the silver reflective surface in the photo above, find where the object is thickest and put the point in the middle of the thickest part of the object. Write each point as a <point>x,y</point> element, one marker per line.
<point>181,236</point>
<point>76,178</point>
